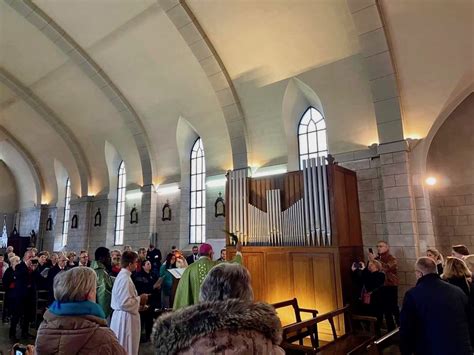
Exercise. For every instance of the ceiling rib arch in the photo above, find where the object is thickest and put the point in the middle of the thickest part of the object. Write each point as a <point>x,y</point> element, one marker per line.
<point>193,34</point>
<point>30,161</point>
<point>54,121</point>
<point>92,70</point>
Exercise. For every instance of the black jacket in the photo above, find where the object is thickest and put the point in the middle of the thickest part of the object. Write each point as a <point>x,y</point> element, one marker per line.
<point>155,257</point>
<point>190,259</point>
<point>435,319</point>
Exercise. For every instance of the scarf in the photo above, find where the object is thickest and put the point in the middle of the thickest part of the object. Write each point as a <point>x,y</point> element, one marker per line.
<point>79,308</point>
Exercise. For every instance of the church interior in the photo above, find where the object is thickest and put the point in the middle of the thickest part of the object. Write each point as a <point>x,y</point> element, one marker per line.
<point>301,136</point>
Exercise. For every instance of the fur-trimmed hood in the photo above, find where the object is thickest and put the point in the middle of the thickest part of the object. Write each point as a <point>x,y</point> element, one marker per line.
<point>178,330</point>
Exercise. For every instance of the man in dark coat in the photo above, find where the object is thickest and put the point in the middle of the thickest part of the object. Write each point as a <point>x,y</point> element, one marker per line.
<point>194,256</point>
<point>24,295</point>
<point>154,255</point>
<point>435,315</point>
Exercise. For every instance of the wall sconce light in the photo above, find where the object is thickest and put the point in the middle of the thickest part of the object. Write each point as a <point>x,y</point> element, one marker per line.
<point>431,181</point>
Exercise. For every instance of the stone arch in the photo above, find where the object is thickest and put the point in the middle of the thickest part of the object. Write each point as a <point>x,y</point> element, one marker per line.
<point>28,193</point>
<point>92,70</point>
<point>32,164</point>
<point>182,17</point>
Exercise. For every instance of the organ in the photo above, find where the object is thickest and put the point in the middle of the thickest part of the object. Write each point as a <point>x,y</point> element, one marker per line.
<point>301,232</point>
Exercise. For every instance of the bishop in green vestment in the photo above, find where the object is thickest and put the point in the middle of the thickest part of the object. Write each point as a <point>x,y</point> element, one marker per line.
<point>190,283</point>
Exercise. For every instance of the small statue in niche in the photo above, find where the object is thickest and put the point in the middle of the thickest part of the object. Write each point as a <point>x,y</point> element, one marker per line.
<point>49,223</point>
<point>74,222</point>
<point>166,212</point>
<point>134,215</point>
<point>219,206</point>
<point>98,218</point>
<point>14,232</point>
<point>33,238</point>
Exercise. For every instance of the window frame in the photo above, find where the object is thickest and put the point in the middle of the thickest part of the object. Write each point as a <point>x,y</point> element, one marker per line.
<point>119,231</point>
<point>197,145</point>
<point>318,152</point>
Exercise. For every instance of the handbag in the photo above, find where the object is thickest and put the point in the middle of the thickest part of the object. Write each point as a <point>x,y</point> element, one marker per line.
<point>365,296</point>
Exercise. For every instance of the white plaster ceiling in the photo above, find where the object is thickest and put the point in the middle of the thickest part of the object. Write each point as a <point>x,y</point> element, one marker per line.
<point>277,39</point>
<point>42,142</point>
<point>433,44</point>
<point>24,50</point>
<point>262,44</point>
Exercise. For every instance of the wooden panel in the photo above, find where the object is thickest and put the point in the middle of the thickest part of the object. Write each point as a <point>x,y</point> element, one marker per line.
<point>290,186</point>
<point>279,280</point>
<point>255,263</point>
<point>304,280</point>
<point>352,202</point>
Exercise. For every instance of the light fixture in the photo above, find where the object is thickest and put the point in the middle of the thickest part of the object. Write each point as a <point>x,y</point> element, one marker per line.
<point>431,181</point>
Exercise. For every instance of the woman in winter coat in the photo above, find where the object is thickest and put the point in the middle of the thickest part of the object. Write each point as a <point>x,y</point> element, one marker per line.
<point>457,273</point>
<point>225,322</point>
<point>372,280</point>
<point>74,323</point>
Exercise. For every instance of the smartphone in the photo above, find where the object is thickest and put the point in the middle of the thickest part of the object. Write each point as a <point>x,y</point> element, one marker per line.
<point>371,251</point>
<point>19,349</point>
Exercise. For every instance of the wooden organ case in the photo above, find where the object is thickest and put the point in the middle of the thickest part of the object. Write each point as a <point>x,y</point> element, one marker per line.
<point>301,232</point>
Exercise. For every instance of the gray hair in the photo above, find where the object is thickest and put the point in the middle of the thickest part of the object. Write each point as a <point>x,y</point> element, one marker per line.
<point>226,281</point>
<point>74,284</point>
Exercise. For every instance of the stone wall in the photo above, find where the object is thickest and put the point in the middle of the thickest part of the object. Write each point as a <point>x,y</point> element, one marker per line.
<point>453,217</point>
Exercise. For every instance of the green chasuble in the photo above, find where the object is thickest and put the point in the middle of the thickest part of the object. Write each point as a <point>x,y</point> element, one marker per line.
<point>189,285</point>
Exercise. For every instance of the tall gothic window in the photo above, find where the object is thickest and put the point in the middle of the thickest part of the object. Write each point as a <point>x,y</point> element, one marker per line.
<point>312,135</point>
<point>197,216</point>
<point>67,210</point>
<point>120,216</point>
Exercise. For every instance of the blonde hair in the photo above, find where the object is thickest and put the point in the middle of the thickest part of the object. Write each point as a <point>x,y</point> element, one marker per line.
<point>14,259</point>
<point>469,260</point>
<point>438,256</point>
<point>74,284</point>
<point>455,268</point>
<point>377,264</point>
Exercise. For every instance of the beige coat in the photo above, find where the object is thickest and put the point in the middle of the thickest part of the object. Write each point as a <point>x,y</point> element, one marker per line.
<point>227,327</point>
<point>69,335</point>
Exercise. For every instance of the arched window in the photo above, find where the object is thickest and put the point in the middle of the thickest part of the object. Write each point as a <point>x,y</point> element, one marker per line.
<point>197,215</point>
<point>67,210</point>
<point>312,135</point>
<point>120,216</point>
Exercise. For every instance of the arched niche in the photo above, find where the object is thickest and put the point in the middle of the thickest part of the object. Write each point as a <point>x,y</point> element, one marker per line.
<point>113,160</point>
<point>61,179</point>
<point>27,192</point>
<point>450,160</point>
<point>8,190</point>
<point>186,135</point>
<point>298,97</point>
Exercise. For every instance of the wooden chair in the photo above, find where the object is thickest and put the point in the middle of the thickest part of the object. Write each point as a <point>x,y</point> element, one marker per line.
<point>388,344</point>
<point>300,335</point>
<point>41,305</point>
<point>349,343</point>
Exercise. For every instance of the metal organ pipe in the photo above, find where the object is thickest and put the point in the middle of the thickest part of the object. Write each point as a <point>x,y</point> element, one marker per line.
<point>326,203</point>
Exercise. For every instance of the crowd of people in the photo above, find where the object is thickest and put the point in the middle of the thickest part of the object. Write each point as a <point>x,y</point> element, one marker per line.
<point>123,297</point>
<point>121,289</point>
<point>444,291</point>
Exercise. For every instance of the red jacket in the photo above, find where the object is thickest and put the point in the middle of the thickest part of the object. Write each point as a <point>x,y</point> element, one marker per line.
<point>390,267</point>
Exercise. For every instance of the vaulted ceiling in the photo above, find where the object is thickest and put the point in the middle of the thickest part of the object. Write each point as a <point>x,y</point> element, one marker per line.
<point>78,74</point>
